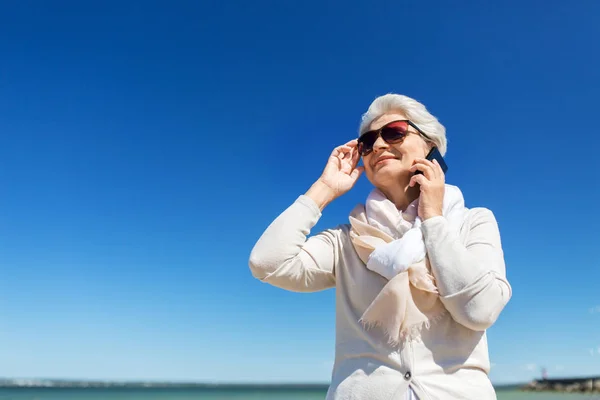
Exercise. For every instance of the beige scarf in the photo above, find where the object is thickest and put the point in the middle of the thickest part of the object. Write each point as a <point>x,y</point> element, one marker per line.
<point>390,243</point>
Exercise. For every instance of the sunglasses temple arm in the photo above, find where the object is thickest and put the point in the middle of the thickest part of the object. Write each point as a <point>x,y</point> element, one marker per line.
<point>419,130</point>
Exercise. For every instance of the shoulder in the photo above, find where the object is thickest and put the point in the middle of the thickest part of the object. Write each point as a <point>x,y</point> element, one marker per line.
<point>341,232</point>
<point>480,223</point>
<point>340,237</point>
<point>480,215</point>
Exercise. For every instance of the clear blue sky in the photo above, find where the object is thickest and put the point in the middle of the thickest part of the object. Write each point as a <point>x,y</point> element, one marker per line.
<point>145,146</point>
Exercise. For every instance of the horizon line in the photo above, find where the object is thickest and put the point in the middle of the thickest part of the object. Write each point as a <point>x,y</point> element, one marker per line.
<point>117,382</point>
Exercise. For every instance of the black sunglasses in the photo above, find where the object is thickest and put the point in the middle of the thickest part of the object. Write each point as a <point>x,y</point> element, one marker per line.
<point>392,133</point>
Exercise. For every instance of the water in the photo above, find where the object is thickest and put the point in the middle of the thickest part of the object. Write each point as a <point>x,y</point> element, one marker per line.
<point>223,394</point>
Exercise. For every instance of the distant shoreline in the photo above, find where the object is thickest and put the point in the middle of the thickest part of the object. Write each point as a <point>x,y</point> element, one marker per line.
<point>64,383</point>
<point>589,384</point>
<point>99,384</point>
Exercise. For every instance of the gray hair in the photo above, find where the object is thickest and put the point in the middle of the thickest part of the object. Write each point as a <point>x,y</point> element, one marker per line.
<point>414,111</point>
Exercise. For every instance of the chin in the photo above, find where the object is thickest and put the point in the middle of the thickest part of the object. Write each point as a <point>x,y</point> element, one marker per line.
<point>387,175</point>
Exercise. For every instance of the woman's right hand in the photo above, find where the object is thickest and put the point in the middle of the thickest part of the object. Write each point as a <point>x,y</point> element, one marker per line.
<point>339,175</point>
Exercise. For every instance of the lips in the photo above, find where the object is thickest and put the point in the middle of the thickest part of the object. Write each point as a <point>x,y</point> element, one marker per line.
<point>383,158</point>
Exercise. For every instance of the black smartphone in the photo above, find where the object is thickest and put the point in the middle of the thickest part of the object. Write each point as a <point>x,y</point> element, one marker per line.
<point>434,154</point>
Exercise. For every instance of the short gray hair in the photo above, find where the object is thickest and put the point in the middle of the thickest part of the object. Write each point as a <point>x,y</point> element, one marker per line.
<point>414,111</point>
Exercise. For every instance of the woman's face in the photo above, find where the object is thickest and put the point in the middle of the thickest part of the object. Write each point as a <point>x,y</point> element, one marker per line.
<point>388,165</point>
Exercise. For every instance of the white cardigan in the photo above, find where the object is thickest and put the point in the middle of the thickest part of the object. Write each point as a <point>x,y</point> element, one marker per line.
<point>451,360</point>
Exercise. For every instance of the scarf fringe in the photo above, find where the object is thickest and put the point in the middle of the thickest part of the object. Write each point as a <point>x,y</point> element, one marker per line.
<point>412,334</point>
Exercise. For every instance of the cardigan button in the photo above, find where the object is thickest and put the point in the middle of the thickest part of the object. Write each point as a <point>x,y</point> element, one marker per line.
<point>407,375</point>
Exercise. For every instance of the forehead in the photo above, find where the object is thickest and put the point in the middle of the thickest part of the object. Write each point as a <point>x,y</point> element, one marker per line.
<point>386,118</point>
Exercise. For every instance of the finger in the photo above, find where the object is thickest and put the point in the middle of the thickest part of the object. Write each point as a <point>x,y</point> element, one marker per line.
<point>427,162</point>
<point>420,179</point>
<point>356,172</point>
<point>426,169</point>
<point>341,151</point>
<point>352,151</point>
<point>345,147</point>
<point>434,166</point>
<point>438,168</point>
<point>346,154</point>
<point>355,157</point>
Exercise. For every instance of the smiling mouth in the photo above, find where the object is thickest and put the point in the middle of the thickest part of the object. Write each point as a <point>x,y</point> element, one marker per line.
<point>382,159</point>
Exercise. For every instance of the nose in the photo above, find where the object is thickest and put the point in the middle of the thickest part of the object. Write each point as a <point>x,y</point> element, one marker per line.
<point>380,144</point>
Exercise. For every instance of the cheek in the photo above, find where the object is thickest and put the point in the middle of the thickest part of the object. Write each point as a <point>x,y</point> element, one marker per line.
<point>409,150</point>
<point>366,162</point>
<point>368,169</point>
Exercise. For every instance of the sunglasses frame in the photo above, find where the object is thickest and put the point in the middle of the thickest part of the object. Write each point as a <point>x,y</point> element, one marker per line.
<point>378,134</point>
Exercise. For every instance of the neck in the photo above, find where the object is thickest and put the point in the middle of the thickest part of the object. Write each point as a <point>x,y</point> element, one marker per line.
<point>402,196</point>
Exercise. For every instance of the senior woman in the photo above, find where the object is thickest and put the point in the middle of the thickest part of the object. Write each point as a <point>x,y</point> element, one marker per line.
<point>419,277</point>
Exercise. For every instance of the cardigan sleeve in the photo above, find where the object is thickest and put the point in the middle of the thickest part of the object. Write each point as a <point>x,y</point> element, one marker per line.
<point>284,257</point>
<point>471,274</point>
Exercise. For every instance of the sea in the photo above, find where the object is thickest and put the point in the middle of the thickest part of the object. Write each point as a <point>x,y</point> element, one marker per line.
<point>222,394</point>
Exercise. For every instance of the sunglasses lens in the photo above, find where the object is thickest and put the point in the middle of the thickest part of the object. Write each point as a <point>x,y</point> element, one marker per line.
<point>366,142</point>
<point>395,132</point>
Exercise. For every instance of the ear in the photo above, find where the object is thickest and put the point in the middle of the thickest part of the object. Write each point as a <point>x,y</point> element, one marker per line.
<point>428,145</point>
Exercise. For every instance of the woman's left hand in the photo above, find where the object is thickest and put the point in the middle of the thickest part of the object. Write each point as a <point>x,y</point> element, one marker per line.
<point>432,183</point>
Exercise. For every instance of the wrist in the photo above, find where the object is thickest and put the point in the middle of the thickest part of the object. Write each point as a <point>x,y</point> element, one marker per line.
<point>321,194</point>
<point>432,214</point>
